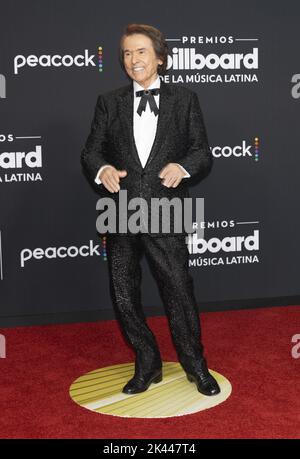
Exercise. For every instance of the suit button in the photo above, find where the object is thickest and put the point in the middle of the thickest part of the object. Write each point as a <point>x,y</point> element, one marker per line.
<point>143,174</point>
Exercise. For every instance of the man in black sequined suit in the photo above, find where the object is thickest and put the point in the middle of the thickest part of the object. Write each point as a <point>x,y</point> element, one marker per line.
<point>149,138</point>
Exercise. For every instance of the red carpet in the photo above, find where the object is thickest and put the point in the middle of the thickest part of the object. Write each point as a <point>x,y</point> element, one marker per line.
<point>252,348</point>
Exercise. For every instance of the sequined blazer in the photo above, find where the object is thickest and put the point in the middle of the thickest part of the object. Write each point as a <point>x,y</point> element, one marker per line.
<point>180,138</point>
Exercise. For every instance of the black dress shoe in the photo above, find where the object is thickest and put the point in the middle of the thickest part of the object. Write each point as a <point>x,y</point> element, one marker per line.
<point>205,382</point>
<point>141,383</point>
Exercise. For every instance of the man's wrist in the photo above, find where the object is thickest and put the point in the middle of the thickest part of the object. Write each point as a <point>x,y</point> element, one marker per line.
<point>187,175</point>
<point>97,179</point>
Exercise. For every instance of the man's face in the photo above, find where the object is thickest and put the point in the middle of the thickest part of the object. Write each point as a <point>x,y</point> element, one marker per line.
<point>140,60</point>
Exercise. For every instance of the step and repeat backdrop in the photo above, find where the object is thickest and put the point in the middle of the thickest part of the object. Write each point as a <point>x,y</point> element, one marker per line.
<point>56,58</point>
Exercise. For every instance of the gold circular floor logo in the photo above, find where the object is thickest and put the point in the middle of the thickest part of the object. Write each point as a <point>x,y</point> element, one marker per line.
<point>101,391</point>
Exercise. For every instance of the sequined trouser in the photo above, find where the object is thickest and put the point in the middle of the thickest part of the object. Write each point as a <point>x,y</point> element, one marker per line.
<point>168,260</point>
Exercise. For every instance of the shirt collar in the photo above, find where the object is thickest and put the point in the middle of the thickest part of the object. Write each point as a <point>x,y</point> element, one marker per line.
<point>138,87</point>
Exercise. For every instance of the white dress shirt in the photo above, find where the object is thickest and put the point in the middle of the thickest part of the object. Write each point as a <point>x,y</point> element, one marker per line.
<point>144,128</point>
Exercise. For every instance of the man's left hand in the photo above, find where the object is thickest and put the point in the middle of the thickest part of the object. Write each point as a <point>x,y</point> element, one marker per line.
<point>172,175</point>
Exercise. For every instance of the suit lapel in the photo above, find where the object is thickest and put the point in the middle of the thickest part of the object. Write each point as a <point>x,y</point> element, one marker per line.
<point>166,102</point>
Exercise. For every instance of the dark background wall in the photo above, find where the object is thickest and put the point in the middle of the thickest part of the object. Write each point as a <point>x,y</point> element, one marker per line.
<point>49,109</point>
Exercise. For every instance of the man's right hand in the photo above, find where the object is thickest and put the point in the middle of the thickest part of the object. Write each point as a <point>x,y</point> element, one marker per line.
<point>110,177</point>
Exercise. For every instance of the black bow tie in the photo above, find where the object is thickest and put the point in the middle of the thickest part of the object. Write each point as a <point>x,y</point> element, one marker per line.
<point>147,95</point>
